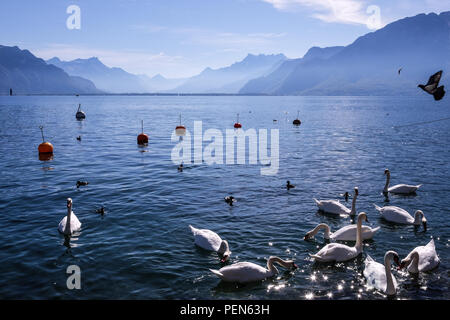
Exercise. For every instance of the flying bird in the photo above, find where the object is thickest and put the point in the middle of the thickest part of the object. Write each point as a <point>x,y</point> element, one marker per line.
<point>432,86</point>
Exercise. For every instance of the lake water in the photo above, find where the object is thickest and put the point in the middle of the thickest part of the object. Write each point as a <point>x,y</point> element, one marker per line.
<point>142,247</point>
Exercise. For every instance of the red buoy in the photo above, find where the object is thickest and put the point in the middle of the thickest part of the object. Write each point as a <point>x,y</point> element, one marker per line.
<point>180,130</point>
<point>45,148</point>
<point>237,125</point>
<point>142,138</point>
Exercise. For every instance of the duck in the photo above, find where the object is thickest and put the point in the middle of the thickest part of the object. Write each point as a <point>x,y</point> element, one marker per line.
<point>398,188</point>
<point>336,207</point>
<point>211,241</point>
<point>379,276</point>
<point>230,200</point>
<point>346,195</point>
<point>82,183</point>
<point>70,223</point>
<point>289,185</point>
<point>421,259</point>
<point>347,233</point>
<point>340,252</point>
<point>401,216</point>
<point>180,168</point>
<point>100,211</point>
<point>245,272</point>
<point>79,138</point>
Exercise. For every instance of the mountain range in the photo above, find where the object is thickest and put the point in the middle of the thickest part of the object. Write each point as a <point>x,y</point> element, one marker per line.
<point>419,46</point>
<point>27,74</point>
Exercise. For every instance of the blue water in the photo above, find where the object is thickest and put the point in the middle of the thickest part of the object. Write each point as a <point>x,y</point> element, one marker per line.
<point>142,248</point>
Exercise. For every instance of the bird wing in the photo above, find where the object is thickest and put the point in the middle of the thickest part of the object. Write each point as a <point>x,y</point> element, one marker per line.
<point>435,78</point>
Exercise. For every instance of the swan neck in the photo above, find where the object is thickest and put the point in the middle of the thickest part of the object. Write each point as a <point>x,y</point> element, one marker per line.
<point>414,268</point>
<point>69,213</point>
<point>322,226</point>
<point>353,212</point>
<point>358,244</point>
<point>388,178</point>
<point>390,289</point>
<point>224,247</point>
<point>271,268</point>
<point>417,218</point>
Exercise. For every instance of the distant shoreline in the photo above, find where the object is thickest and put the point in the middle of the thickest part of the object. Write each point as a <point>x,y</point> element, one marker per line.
<point>197,94</point>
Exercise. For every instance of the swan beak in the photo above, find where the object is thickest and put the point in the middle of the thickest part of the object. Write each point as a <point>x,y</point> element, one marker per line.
<point>294,266</point>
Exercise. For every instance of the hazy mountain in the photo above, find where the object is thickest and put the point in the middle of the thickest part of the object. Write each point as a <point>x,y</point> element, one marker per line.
<point>419,45</point>
<point>27,74</point>
<point>159,83</point>
<point>272,81</point>
<point>115,80</point>
<point>231,79</point>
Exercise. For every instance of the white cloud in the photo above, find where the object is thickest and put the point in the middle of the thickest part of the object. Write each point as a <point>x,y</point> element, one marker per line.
<point>338,11</point>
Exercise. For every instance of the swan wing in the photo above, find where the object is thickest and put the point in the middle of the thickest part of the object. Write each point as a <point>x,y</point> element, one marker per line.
<point>348,233</point>
<point>335,252</point>
<point>403,188</point>
<point>75,224</point>
<point>428,258</point>
<point>375,274</point>
<point>332,206</point>
<point>243,272</point>
<point>206,239</point>
<point>397,215</point>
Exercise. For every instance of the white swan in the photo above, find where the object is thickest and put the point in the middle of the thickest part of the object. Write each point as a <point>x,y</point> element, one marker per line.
<point>380,276</point>
<point>244,272</point>
<point>209,240</point>
<point>70,223</point>
<point>422,258</point>
<point>401,216</point>
<point>347,233</point>
<point>398,188</point>
<point>340,252</point>
<point>336,207</point>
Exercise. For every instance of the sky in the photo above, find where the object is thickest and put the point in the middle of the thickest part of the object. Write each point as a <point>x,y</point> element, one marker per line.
<point>180,38</point>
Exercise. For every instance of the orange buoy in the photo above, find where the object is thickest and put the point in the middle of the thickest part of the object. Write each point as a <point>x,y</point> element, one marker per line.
<point>45,148</point>
<point>180,130</point>
<point>237,125</point>
<point>142,138</point>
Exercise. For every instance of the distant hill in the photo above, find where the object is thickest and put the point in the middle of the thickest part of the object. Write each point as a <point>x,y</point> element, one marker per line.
<point>231,79</point>
<point>114,80</point>
<point>27,74</point>
<point>420,45</point>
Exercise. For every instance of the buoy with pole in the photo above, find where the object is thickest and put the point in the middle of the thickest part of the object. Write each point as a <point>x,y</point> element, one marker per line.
<point>297,121</point>
<point>80,115</point>
<point>142,138</point>
<point>180,130</point>
<point>237,125</point>
<point>45,148</point>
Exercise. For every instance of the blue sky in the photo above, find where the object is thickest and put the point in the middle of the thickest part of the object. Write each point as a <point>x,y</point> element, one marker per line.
<point>179,38</point>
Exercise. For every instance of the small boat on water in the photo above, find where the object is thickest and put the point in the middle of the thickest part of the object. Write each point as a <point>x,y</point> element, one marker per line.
<point>80,115</point>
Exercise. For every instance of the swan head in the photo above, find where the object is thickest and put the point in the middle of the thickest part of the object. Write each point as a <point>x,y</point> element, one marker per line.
<point>419,213</point>
<point>392,255</point>
<point>356,191</point>
<point>226,251</point>
<point>363,216</point>
<point>69,203</point>
<point>387,172</point>
<point>309,235</point>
